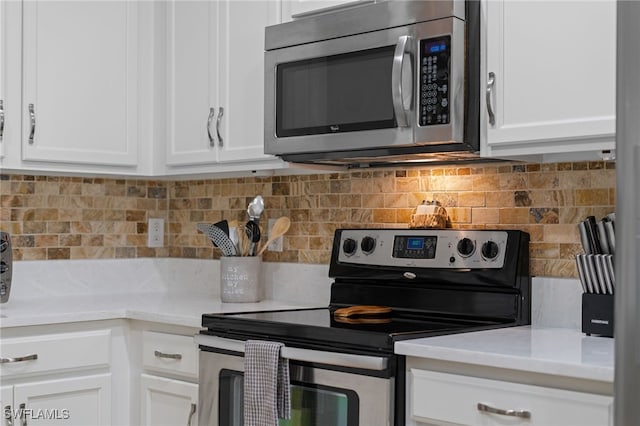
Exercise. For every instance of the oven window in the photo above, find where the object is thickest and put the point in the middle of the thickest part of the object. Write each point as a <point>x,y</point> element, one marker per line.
<point>332,94</point>
<point>311,405</point>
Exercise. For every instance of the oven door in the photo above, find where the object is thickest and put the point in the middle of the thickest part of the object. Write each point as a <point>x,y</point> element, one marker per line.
<point>364,91</point>
<point>322,394</point>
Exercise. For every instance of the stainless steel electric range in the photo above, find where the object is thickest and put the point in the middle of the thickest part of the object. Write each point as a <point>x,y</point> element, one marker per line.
<point>389,285</point>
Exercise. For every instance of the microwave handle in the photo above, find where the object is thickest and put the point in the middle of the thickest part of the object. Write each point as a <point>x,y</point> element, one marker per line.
<point>396,80</point>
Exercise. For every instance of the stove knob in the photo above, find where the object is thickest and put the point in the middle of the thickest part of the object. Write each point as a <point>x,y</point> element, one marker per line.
<point>490,250</point>
<point>368,245</point>
<point>349,246</point>
<point>466,247</point>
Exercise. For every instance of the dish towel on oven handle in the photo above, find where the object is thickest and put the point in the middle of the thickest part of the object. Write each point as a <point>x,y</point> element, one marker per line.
<point>266,384</point>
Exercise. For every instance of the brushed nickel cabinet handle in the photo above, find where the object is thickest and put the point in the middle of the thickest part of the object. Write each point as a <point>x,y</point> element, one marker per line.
<point>1,120</point>
<point>32,116</point>
<point>8,415</point>
<point>490,84</point>
<point>23,414</point>
<point>209,120</point>
<point>31,357</point>
<point>523,414</point>
<point>170,356</point>
<point>191,413</point>
<point>220,114</point>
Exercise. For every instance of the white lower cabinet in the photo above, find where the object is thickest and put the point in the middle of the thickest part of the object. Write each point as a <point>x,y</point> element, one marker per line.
<point>168,402</point>
<point>169,375</point>
<point>59,378</point>
<point>72,401</point>
<point>437,398</point>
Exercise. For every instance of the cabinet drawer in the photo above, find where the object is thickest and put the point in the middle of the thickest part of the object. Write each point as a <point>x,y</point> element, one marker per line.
<point>439,398</point>
<point>171,353</point>
<point>51,352</point>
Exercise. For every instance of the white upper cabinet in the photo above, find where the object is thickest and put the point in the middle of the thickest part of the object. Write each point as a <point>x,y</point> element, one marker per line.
<point>215,85</point>
<point>549,67</point>
<point>10,83</point>
<point>192,81</point>
<point>80,82</point>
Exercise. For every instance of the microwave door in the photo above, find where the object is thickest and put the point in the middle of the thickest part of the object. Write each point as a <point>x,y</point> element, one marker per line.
<point>335,95</point>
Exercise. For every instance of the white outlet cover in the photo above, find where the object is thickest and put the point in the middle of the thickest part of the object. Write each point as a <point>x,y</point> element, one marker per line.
<point>155,233</point>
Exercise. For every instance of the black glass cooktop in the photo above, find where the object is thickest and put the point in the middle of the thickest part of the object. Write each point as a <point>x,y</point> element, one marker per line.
<point>320,326</point>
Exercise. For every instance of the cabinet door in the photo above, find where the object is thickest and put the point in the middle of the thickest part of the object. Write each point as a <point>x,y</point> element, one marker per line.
<point>168,402</point>
<point>3,77</point>
<point>6,401</point>
<point>446,399</point>
<point>554,76</point>
<point>75,401</point>
<point>80,82</point>
<point>192,78</point>
<point>10,78</point>
<point>241,59</point>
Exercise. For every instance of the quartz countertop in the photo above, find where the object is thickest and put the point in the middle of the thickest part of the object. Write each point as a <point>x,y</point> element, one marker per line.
<point>545,350</point>
<point>176,309</point>
<point>170,291</point>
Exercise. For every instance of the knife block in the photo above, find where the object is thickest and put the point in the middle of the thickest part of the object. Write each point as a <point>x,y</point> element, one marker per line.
<point>597,314</point>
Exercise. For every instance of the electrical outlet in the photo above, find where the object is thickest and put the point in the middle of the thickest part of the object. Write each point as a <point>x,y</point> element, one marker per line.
<point>155,236</point>
<point>275,245</point>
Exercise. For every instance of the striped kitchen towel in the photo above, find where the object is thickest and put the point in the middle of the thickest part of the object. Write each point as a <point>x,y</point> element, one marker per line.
<point>266,384</point>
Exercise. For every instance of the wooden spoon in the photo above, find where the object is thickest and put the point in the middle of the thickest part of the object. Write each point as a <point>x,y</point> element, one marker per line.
<point>280,227</point>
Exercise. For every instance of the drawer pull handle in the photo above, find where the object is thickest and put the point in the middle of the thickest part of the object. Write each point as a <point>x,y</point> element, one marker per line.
<point>171,356</point>
<point>19,359</point>
<point>523,414</point>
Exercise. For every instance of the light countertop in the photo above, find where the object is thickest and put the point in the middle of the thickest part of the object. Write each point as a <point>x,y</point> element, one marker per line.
<point>555,351</point>
<point>170,291</point>
<point>165,308</point>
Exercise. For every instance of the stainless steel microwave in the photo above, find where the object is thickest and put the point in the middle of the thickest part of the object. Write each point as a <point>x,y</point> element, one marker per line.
<point>382,83</point>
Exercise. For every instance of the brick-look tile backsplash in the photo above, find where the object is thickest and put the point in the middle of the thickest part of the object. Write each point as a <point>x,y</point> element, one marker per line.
<point>78,218</point>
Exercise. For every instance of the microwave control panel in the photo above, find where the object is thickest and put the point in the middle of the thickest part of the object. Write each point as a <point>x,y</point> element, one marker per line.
<point>435,54</point>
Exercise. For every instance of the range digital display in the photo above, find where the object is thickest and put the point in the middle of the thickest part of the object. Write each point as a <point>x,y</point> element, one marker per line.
<point>415,247</point>
<point>414,243</point>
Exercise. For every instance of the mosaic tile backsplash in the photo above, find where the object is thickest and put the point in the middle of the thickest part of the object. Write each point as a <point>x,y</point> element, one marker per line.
<point>53,217</point>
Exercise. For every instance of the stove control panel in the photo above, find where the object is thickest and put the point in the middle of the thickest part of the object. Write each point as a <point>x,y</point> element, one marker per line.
<point>424,248</point>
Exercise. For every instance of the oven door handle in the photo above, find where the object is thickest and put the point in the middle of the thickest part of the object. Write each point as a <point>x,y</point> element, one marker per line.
<point>306,355</point>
